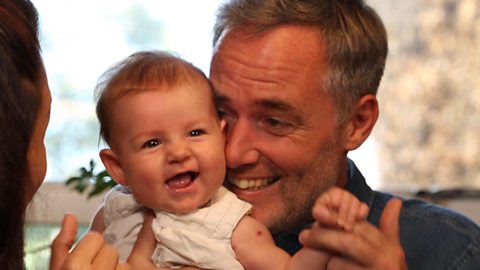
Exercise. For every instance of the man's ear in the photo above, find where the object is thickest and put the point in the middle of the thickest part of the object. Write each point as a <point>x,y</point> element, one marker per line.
<point>113,166</point>
<point>361,122</point>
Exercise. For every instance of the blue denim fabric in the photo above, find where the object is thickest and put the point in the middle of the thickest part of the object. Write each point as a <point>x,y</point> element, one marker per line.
<point>432,237</point>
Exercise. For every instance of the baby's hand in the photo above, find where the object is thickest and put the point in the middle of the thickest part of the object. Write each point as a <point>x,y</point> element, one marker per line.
<point>339,208</point>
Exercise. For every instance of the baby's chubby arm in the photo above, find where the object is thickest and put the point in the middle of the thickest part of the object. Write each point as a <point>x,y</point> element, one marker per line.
<point>254,246</point>
<point>256,250</point>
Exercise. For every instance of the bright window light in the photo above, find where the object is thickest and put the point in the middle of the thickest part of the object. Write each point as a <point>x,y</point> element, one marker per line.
<point>82,38</point>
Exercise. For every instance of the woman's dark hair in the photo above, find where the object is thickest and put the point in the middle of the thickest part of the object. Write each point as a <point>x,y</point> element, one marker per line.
<point>21,69</point>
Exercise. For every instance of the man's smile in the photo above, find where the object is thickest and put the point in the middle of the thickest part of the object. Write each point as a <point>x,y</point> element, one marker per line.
<point>252,183</point>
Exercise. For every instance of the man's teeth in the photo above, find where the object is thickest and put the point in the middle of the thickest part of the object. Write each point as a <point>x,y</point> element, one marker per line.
<point>252,184</point>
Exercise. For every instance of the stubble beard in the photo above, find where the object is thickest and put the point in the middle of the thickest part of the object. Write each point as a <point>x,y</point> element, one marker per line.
<point>299,197</point>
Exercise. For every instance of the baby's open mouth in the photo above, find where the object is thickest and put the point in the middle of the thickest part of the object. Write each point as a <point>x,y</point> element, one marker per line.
<point>181,180</point>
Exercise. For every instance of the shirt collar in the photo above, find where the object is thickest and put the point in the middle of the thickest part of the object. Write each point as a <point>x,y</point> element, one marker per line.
<point>357,185</point>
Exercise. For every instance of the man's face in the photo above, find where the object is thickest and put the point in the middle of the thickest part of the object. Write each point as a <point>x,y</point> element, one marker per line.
<point>282,147</point>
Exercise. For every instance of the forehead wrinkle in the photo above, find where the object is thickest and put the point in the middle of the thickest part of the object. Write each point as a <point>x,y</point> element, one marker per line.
<point>267,68</point>
<point>274,104</point>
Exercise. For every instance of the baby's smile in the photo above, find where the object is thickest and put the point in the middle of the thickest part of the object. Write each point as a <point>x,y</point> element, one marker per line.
<point>181,180</point>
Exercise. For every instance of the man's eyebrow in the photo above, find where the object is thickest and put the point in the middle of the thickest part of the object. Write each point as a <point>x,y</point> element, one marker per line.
<point>272,104</point>
<point>266,103</point>
<point>219,98</point>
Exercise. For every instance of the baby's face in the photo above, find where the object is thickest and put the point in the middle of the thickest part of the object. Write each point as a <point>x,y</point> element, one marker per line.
<point>170,146</point>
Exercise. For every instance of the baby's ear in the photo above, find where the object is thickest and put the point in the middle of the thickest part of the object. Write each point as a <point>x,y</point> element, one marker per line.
<point>113,166</point>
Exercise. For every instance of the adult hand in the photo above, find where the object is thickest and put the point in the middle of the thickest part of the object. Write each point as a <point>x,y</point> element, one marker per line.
<point>91,251</point>
<point>366,247</point>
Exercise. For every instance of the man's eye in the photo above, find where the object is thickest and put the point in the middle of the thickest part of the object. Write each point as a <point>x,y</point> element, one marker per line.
<point>222,114</point>
<point>276,126</point>
<point>225,115</point>
<point>274,123</point>
<point>196,132</point>
<point>151,143</point>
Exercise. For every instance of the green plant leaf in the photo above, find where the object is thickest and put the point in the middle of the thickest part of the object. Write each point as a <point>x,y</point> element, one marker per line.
<point>100,181</point>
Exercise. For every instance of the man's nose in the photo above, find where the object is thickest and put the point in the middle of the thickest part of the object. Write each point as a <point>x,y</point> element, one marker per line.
<point>178,151</point>
<point>240,147</point>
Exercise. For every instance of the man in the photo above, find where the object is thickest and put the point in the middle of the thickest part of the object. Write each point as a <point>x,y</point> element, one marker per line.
<point>296,82</point>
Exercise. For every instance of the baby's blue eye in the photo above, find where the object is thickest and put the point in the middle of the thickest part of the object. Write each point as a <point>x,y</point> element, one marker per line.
<point>151,143</point>
<point>196,132</point>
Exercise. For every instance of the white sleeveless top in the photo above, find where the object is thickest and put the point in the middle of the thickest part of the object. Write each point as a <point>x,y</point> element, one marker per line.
<point>200,238</point>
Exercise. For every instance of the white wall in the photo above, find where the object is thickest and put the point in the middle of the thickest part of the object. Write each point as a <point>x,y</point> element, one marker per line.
<point>53,200</point>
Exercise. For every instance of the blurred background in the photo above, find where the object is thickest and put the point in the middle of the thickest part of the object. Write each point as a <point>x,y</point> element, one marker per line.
<point>426,143</point>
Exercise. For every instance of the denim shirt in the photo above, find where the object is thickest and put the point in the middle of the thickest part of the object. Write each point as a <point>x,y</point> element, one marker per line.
<point>432,237</point>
